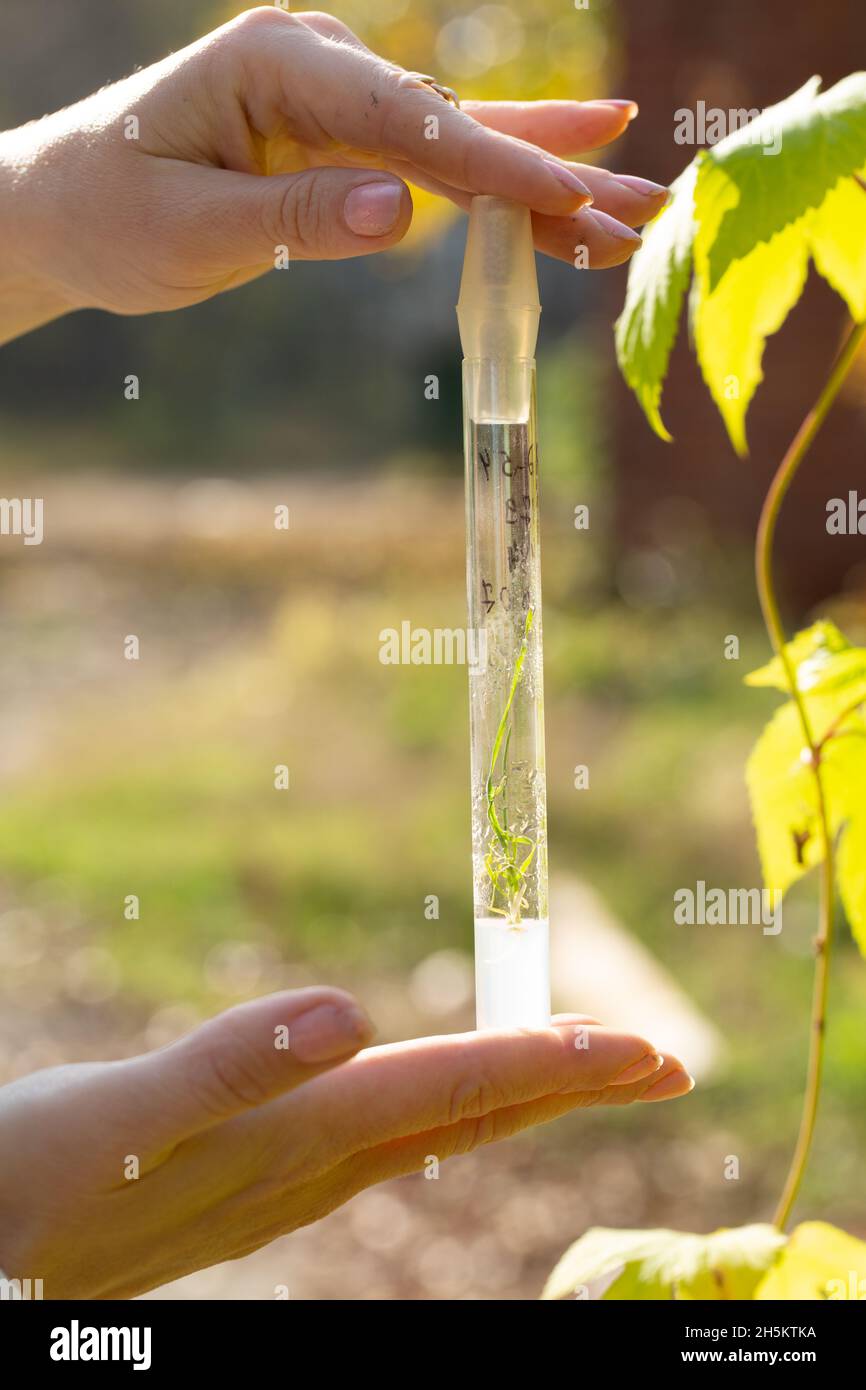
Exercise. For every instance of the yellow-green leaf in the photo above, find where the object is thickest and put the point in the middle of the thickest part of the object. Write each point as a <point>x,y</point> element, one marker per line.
<point>818,1262</point>
<point>784,802</point>
<point>767,175</point>
<point>733,321</point>
<point>823,661</point>
<point>851,873</point>
<point>837,238</point>
<point>661,1264</point>
<point>658,277</point>
<point>784,799</point>
<point>830,675</point>
<point>749,214</point>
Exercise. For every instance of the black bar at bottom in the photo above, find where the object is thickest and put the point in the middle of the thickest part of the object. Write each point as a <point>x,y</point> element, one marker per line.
<point>156,1337</point>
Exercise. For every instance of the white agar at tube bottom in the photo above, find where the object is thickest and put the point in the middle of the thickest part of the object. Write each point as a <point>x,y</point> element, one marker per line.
<point>512,973</point>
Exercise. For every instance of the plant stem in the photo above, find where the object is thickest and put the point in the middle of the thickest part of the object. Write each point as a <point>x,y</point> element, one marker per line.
<point>514,874</point>
<point>784,476</point>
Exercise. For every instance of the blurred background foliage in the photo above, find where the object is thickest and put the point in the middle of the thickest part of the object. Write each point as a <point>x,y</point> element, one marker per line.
<point>259,647</point>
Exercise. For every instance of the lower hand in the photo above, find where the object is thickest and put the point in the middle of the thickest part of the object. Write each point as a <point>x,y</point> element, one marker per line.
<point>121,1176</point>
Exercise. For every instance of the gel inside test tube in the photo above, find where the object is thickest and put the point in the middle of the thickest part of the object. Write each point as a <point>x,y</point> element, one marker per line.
<point>498,313</point>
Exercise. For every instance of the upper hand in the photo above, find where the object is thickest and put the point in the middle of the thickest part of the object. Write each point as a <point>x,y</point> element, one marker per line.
<point>185,210</point>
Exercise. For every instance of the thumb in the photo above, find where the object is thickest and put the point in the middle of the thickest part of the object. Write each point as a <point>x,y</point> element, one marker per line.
<point>244,1058</point>
<point>318,214</point>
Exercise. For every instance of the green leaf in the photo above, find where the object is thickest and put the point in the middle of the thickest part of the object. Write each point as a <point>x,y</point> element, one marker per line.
<point>784,798</point>
<point>851,872</point>
<point>818,1261</point>
<point>819,654</point>
<point>784,802</point>
<point>837,238</point>
<point>747,196</point>
<point>760,215</point>
<point>732,323</point>
<point>750,213</point>
<point>658,277</point>
<point>831,677</point>
<point>665,1264</point>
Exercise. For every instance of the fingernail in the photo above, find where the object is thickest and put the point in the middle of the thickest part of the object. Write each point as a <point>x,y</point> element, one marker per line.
<point>569,180</point>
<point>644,1066</point>
<point>631,108</point>
<point>329,1031</point>
<point>372,209</point>
<point>645,187</point>
<point>611,227</point>
<point>670,1086</point>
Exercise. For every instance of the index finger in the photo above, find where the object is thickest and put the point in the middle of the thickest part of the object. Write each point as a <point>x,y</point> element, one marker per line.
<point>562,127</point>
<point>350,96</point>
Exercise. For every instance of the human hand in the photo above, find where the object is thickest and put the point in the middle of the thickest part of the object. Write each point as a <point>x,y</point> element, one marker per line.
<point>93,218</point>
<point>120,1176</point>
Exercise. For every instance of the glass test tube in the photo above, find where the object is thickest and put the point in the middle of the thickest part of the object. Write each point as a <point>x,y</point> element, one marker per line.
<point>498,319</point>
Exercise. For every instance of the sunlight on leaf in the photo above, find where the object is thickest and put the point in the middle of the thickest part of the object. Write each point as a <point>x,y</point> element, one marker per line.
<point>814,650</point>
<point>784,802</point>
<point>837,237</point>
<point>663,1264</point>
<point>851,869</point>
<point>660,270</point>
<point>746,196</point>
<point>732,324</point>
<point>760,215</point>
<point>831,676</point>
<point>784,798</point>
<point>818,1262</point>
<point>751,212</point>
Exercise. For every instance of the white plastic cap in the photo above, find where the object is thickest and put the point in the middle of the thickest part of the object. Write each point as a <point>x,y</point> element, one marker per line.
<point>498,308</point>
